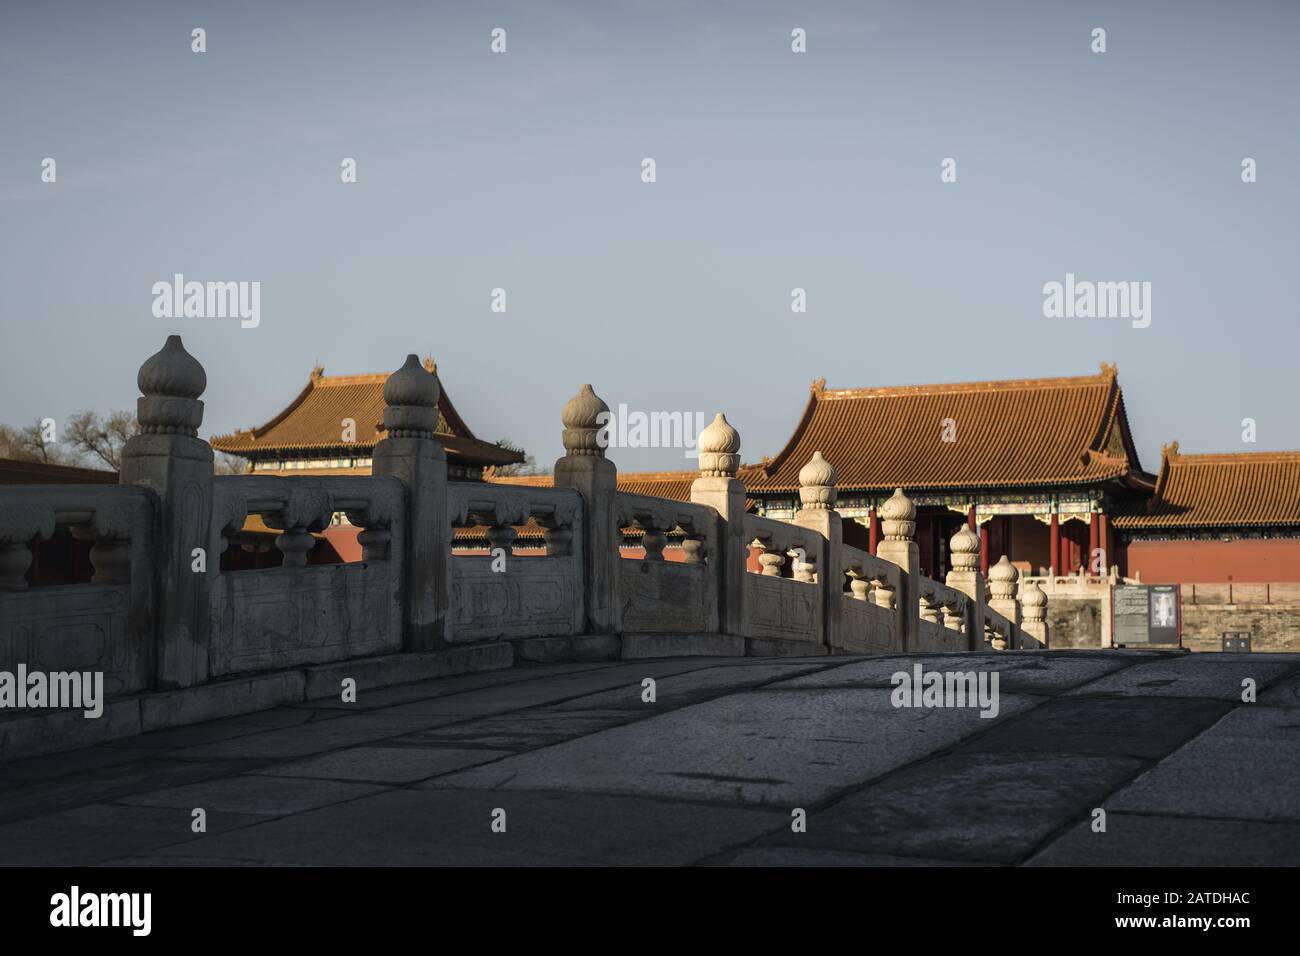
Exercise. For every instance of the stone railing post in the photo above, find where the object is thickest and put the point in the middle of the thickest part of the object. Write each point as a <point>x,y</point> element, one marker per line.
<point>1002,588</point>
<point>965,577</point>
<point>168,457</point>
<point>1033,603</point>
<point>585,468</point>
<point>898,516</point>
<point>817,513</point>
<point>720,489</point>
<point>413,454</point>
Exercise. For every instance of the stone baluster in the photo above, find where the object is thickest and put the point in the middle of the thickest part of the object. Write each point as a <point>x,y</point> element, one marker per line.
<point>1002,590</point>
<point>501,536</point>
<point>817,493</point>
<point>305,511</point>
<point>559,540</point>
<point>859,586</point>
<point>965,577</point>
<point>411,452</point>
<point>585,468</point>
<point>898,519</point>
<point>110,557</point>
<point>803,566</point>
<point>18,527</point>
<point>295,544</point>
<point>168,457</point>
<point>694,547</point>
<point>1033,603</point>
<point>653,540</point>
<point>376,543</point>
<point>954,614</point>
<point>720,489</point>
<point>883,594</point>
<point>771,560</point>
<point>931,609</point>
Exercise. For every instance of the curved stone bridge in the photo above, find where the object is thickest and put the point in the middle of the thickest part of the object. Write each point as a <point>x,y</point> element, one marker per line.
<point>577,766</point>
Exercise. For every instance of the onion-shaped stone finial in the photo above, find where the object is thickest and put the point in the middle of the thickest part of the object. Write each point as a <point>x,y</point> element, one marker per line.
<point>171,381</point>
<point>817,483</point>
<point>1033,602</point>
<point>1002,579</point>
<point>898,517</point>
<point>719,447</point>
<point>586,420</point>
<point>411,400</point>
<point>965,547</point>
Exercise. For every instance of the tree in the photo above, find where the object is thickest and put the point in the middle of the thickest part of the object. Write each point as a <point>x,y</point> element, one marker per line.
<point>100,439</point>
<point>224,464</point>
<point>527,467</point>
<point>29,444</point>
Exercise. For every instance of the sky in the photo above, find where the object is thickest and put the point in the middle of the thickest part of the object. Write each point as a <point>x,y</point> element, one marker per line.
<point>775,170</point>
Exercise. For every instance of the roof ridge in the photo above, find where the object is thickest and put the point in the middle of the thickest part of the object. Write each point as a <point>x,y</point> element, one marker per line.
<point>324,381</point>
<point>677,475</point>
<point>988,385</point>
<point>1215,457</point>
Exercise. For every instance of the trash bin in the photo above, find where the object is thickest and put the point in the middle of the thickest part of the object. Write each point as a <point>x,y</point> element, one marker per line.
<point>1236,642</point>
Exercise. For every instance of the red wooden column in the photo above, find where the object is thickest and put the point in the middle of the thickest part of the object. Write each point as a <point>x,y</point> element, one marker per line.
<point>984,549</point>
<point>1103,541</point>
<point>872,535</point>
<point>1093,537</point>
<point>1054,545</point>
<point>970,517</point>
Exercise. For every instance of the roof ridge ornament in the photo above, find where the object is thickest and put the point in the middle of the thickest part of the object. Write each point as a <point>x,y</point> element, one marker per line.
<point>1109,369</point>
<point>818,385</point>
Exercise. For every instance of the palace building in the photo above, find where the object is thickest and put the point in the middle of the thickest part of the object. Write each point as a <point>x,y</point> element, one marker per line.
<point>1038,466</point>
<point>1045,469</point>
<point>334,423</point>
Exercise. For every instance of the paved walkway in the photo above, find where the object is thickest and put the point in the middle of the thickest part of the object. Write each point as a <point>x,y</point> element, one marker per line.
<point>586,772</point>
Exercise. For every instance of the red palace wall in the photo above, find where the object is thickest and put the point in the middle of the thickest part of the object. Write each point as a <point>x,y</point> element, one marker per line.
<point>1204,562</point>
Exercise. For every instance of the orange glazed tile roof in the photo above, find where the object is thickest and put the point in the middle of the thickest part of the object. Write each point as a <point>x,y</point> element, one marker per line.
<point>314,422</point>
<point>1047,431</point>
<point>1206,491</point>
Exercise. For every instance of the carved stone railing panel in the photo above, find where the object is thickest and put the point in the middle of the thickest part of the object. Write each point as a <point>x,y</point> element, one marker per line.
<point>298,614</point>
<point>782,610</point>
<point>660,596</point>
<point>781,542</point>
<point>106,625</point>
<point>522,596</point>
<point>943,612</point>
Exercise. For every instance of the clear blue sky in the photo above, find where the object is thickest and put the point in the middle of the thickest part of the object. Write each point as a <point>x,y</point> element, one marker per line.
<point>775,170</point>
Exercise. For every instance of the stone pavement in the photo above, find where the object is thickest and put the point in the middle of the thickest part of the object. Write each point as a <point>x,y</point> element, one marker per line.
<point>588,773</point>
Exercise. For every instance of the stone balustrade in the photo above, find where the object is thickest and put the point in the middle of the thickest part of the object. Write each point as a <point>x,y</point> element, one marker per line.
<point>161,614</point>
